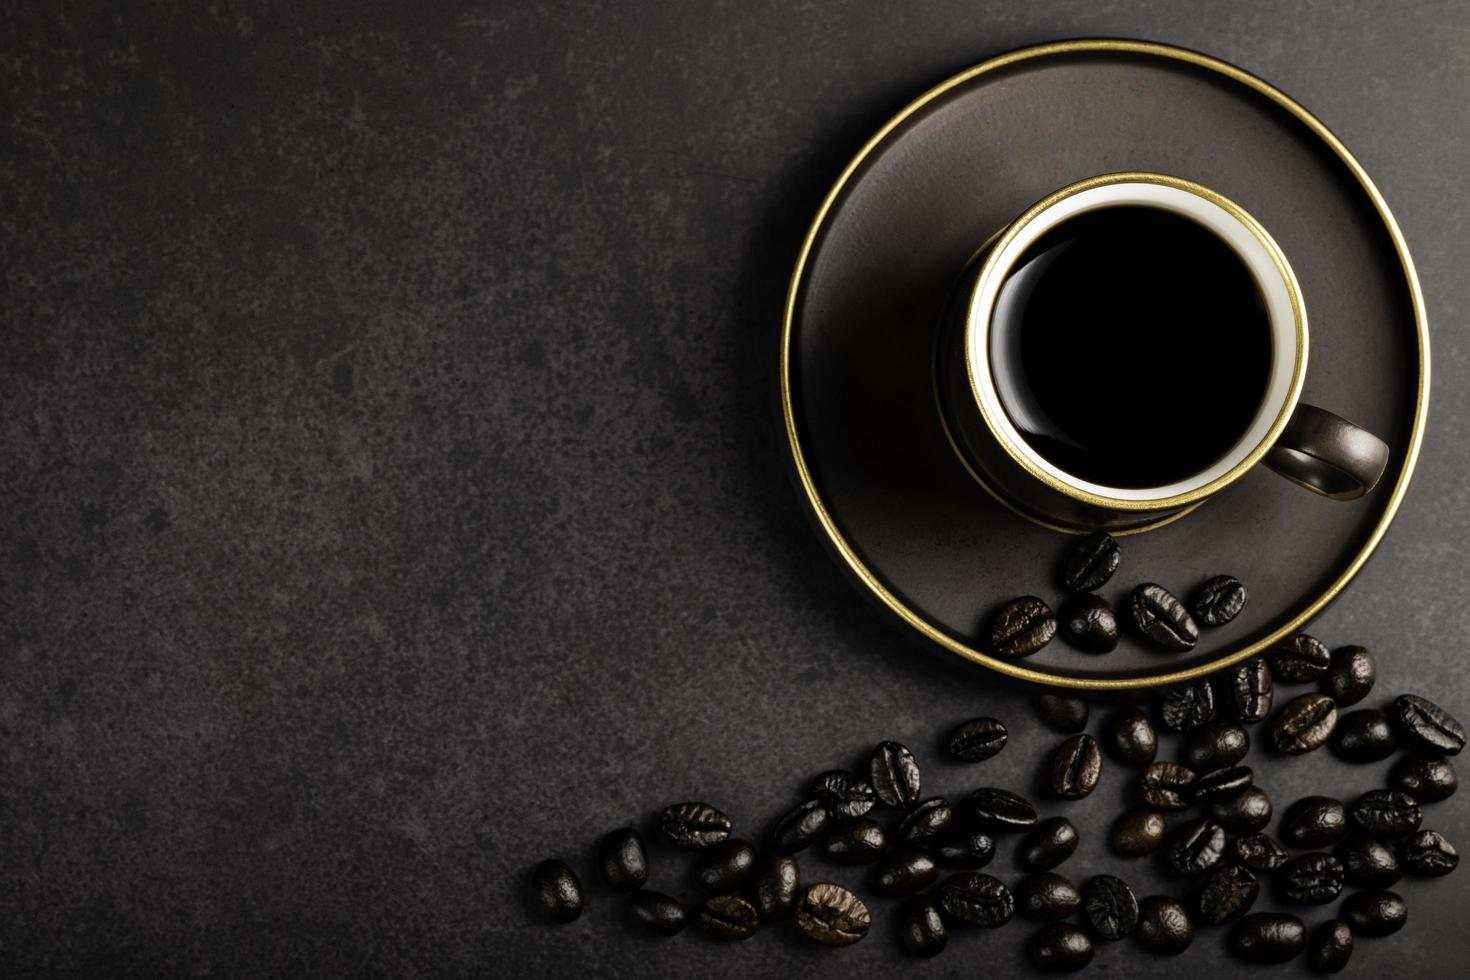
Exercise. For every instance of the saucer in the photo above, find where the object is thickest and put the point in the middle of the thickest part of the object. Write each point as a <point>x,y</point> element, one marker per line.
<point>896,506</point>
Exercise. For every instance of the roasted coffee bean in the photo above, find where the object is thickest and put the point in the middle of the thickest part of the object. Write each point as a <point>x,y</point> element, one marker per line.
<point>1386,813</point>
<point>1429,855</point>
<point>920,926</point>
<point>832,915</point>
<point>1162,618</point>
<point>1245,813</point>
<point>1076,767</point>
<point>800,827</point>
<point>777,884</point>
<point>926,822</point>
<point>844,794</point>
<point>725,867</point>
<point>1367,863</point>
<point>1062,713</point>
<point>1166,786</point>
<point>1046,897</point>
<point>1365,735</point>
<point>1090,624</point>
<point>1183,709</point>
<point>976,740</point>
<point>968,850</point>
<point>1218,601</point>
<point>1227,893</point>
<point>1051,843</point>
<point>1426,780</point>
<point>1251,692</point>
<point>1426,727</point>
<point>1374,914</point>
<point>895,775</point>
<point>1303,724</point>
<point>1109,906</point>
<point>1314,821</point>
<point>1350,675</point>
<point>1131,737</point>
<point>1268,937</point>
<point>622,860</point>
<point>658,913</point>
<point>1330,947</point>
<point>1312,879</point>
<point>1300,659</point>
<point>1091,563</point>
<point>858,841</point>
<point>1216,745</point>
<point>976,899</point>
<point>1196,847</point>
<point>1258,852</point>
<point>1164,928</point>
<point>1139,832</point>
<point>694,825</point>
<point>557,891</point>
<point>1222,784</point>
<point>1061,948</point>
<point>1021,627</point>
<point>728,918</point>
<point>905,870</point>
<point>999,811</point>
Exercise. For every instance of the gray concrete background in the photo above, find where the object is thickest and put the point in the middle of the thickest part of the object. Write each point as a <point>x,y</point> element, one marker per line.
<point>391,496</point>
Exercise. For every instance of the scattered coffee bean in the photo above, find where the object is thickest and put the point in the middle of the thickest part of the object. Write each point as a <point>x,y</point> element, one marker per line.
<point>1139,832</point>
<point>1350,675</point>
<point>1251,692</point>
<point>622,860</point>
<point>1090,624</point>
<point>726,866</point>
<point>1091,563</point>
<point>1046,897</point>
<point>1426,727</point>
<point>1367,863</point>
<point>1218,601</point>
<point>1051,843</point>
<point>1268,937</point>
<point>1166,786</point>
<point>920,926</point>
<point>1374,914</point>
<point>777,884</point>
<point>976,899</point>
<point>1186,708</point>
<point>1365,735</point>
<point>1061,948</point>
<point>1300,659</point>
<point>1222,784</point>
<point>1164,928</point>
<point>557,891</point>
<point>844,794</point>
<point>894,775</point>
<point>1196,847</point>
<point>1330,947</point>
<point>1244,813</point>
<point>926,822</point>
<point>1314,821</point>
<point>1426,779</point>
<point>799,828</point>
<point>1303,724</point>
<point>1062,713</point>
<point>728,918</point>
<point>905,870</point>
<point>1162,618</point>
<point>1021,627</point>
<point>1131,737</point>
<point>658,913</point>
<point>694,825</point>
<point>1312,879</point>
<point>1228,892</point>
<point>969,850</point>
<point>858,841</point>
<point>1076,767</point>
<point>1427,854</point>
<point>1258,852</point>
<point>976,740</point>
<point>999,811</point>
<point>1110,907</point>
<point>832,915</point>
<point>1386,813</point>
<point>1216,745</point>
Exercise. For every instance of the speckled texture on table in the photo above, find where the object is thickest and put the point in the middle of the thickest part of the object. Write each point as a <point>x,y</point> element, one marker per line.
<point>390,495</point>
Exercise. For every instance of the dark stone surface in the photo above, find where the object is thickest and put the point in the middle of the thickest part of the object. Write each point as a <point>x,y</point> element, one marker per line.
<point>391,495</point>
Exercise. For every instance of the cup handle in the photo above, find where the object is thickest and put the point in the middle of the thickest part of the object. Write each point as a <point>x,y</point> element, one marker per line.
<point>1327,454</point>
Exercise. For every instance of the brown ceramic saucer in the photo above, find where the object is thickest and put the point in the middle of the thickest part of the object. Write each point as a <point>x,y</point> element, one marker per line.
<point>887,492</point>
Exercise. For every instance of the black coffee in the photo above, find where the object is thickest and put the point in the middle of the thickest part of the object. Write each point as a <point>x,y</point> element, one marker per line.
<point>1133,344</point>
